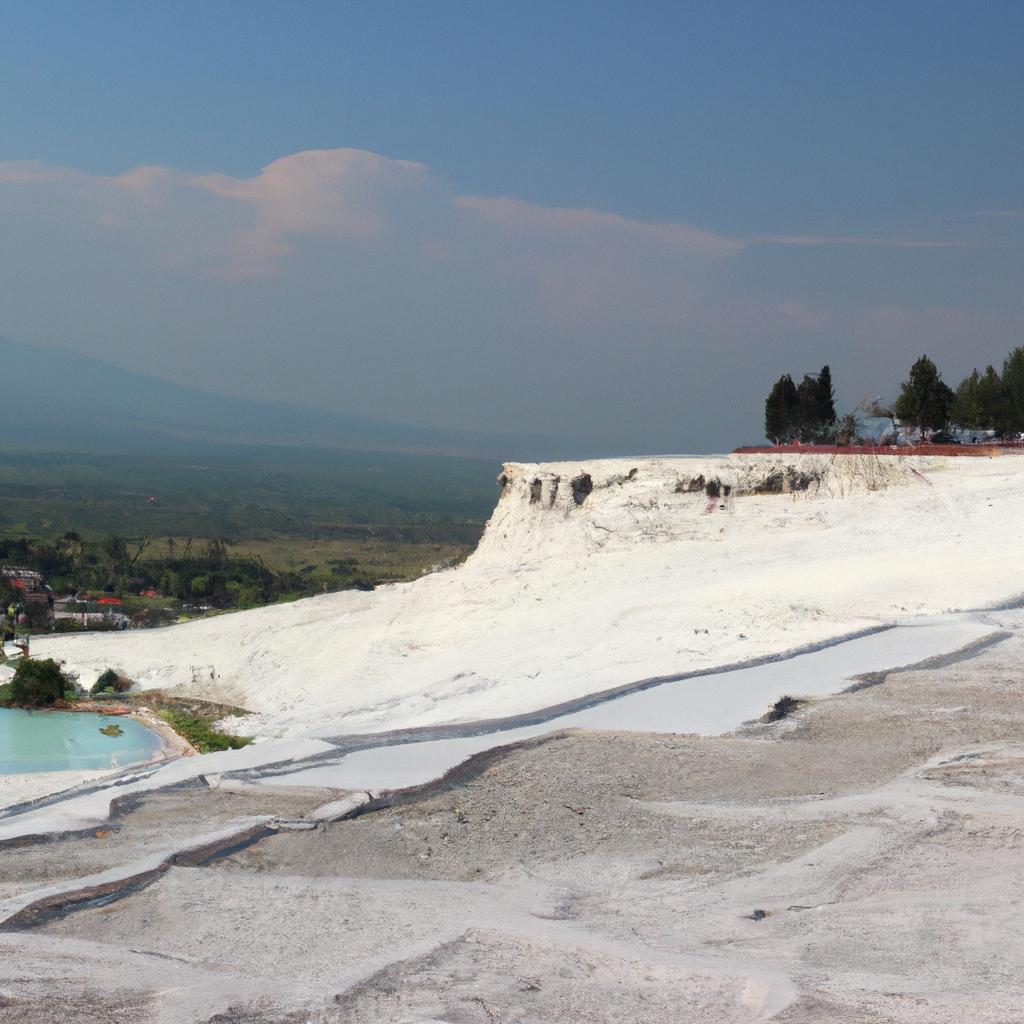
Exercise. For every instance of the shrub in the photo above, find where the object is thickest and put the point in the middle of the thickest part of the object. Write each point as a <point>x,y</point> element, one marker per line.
<point>38,683</point>
<point>783,708</point>
<point>147,618</point>
<point>68,626</point>
<point>105,679</point>
<point>110,682</point>
<point>848,428</point>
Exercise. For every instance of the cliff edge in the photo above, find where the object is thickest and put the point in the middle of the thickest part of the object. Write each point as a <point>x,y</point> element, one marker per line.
<point>594,574</point>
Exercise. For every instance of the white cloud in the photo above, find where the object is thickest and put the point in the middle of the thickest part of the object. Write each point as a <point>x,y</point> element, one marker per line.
<point>589,266</point>
<point>867,241</point>
<point>579,265</point>
<point>339,193</point>
<point>520,216</point>
<point>343,276</point>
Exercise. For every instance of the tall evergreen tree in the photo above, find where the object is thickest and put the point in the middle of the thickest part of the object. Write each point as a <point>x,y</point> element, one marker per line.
<point>1013,386</point>
<point>925,399</point>
<point>966,410</point>
<point>781,411</point>
<point>993,407</point>
<point>981,402</point>
<point>816,408</point>
<point>807,403</point>
<point>826,400</point>
<point>806,413</point>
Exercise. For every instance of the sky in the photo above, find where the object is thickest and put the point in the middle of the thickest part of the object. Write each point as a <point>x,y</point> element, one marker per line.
<point>605,220</point>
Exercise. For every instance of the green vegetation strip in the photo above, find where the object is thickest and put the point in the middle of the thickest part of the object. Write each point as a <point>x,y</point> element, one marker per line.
<point>199,731</point>
<point>192,719</point>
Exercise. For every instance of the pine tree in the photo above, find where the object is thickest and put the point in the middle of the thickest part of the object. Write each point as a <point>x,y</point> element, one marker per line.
<point>826,402</point>
<point>807,399</point>
<point>806,413</point>
<point>993,406</point>
<point>982,402</point>
<point>925,400</point>
<point>1013,385</point>
<point>780,411</point>
<point>816,409</point>
<point>966,410</point>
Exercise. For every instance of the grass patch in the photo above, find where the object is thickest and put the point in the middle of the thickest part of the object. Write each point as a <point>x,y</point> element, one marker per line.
<point>199,731</point>
<point>192,719</point>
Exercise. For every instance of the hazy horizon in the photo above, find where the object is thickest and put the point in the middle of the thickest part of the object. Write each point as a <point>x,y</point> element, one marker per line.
<point>574,220</point>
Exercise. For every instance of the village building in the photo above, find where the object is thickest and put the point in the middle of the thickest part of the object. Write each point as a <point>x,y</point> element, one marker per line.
<point>30,583</point>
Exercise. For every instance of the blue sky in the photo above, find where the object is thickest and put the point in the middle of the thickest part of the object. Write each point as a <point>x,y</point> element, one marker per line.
<point>768,187</point>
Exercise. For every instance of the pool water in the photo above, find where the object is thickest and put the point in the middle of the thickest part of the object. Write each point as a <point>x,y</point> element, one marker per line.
<point>56,741</point>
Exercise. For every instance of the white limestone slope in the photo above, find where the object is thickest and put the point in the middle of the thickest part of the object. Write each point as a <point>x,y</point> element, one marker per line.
<point>563,599</point>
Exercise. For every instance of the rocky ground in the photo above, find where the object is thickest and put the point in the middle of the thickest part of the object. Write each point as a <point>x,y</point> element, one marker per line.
<point>859,861</point>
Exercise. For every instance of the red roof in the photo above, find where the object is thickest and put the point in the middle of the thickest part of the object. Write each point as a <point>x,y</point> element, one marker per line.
<point>108,600</point>
<point>983,450</point>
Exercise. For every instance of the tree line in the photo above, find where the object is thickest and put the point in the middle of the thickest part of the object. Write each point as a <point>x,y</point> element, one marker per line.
<point>206,572</point>
<point>804,412</point>
<point>992,400</point>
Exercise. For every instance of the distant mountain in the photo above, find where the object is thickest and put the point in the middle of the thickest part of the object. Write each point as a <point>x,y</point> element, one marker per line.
<point>56,399</point>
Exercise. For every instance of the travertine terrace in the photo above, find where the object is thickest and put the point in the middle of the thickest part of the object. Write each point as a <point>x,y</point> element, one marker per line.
<point>853,861</point>
<point>633,571</point>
